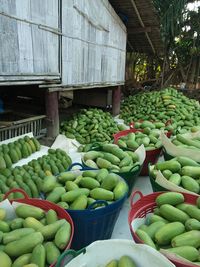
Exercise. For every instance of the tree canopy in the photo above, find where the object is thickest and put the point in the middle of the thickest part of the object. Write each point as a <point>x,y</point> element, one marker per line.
<point>180,29</point>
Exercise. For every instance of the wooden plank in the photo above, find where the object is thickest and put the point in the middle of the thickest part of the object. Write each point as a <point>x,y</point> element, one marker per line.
<point>9,49</point>
<point>142,24</point>
<point>149,17</point>
<point>116,100</point>
<point>139,30</point>
<point>27,82</point>
<point>60,87</point>
<point>52,114</point>
<point>29,77</point>
<point>95,50</point>
<point>91,52</point>
<point>29,47</point>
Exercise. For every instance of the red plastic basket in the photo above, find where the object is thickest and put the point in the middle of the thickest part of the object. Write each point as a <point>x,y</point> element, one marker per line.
<point>145,205</point>
<point>151,156</point>
<point>45,205</point>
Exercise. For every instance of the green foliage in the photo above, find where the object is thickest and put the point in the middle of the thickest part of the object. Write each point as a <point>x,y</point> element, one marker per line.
<point>138,66</point>
<point>171,17</point>
<point>180,29</point>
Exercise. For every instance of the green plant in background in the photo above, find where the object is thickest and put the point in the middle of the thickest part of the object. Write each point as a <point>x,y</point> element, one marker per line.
<point>180,61</point>
<point>180,29</point>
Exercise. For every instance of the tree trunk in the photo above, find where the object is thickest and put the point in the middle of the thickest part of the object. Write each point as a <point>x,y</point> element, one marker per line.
<point>198,74</point>
<point>193,70</point>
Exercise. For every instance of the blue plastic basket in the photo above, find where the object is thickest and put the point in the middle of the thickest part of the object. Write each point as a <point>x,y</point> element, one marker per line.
<point>94,224</point>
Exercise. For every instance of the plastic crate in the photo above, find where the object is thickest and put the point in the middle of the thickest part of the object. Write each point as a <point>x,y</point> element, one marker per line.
<point>45,205</point>
<point>94,224</point>
<point>27,123</point>
<point>145,205</point>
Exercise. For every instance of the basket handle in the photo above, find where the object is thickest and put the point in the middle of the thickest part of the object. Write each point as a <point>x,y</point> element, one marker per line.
<point>115,138</point>
<point>135,193</point>
<point>164,149</point>
<point>149,166</point>
<point>134,167</point>
<point>76,164</point>
<point>83,168</point>
<point>134,130</point>
<point>91,206</point>
<point>16,190</point>
<point>71,254</point>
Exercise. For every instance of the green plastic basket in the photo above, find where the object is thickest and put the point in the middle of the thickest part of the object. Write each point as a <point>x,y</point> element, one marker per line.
<point>166,155</point>
<point>155,186</point>
<point>130,177</point>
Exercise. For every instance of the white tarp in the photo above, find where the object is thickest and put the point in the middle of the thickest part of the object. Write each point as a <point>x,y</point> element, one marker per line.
<point>100,253</point>
<point>176,151</point>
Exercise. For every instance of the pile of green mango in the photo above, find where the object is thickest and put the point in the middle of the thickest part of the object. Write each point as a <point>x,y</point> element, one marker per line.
<point>34,238</point>
<point>76,191</point>
<point>14,151</point>
<point>164,105</point>
<point>124,261</point>
<point>150,140</point>
<point>181,141</point>
<point>181,171</point>
<point>111,157</point>
<point>89,126</point>
<point>31,177</point>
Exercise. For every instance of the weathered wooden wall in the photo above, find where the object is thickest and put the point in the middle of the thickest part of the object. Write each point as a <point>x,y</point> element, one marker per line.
<point>29,50</point>
<point>88,49</point>
<point>93,43</point>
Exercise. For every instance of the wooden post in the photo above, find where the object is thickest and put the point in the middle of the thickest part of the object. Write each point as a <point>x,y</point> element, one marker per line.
<point>52,113</point>
<point>116,99</point>
<point>150,68</point>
